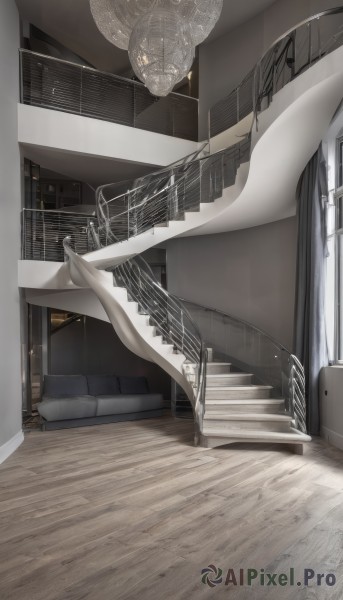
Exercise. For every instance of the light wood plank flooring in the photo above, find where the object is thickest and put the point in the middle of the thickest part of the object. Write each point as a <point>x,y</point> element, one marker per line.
<point>133,511</point>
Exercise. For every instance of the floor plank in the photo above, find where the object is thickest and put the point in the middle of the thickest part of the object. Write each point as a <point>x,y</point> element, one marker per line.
<point>131,511</point>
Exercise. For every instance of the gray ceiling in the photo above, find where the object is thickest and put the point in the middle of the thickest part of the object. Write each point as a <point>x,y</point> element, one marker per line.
<point>91,169</point>
<point>70,23</point>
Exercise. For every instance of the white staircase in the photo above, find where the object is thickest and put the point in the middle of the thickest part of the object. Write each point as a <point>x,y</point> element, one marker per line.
<point>229,406</point>
<point>233,408</point>
<point>237,410</point>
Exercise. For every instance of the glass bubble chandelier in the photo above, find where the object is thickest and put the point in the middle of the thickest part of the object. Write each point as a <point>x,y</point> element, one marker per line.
<point>160,35</point>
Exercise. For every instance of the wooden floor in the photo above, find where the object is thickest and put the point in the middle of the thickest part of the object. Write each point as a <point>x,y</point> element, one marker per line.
<point>134,511</point>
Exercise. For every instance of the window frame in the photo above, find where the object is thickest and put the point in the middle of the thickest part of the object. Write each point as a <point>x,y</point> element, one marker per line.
<point>338,245</point>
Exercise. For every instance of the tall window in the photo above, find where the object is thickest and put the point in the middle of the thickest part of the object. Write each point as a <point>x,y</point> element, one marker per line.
<point>339,252</point>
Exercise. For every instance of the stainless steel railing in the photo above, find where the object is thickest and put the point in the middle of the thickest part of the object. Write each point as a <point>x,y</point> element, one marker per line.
<point>43,232</point>
<point>171,319</point>
<point>57,84</point>
<point>291,55</point>
<point>254,351</point>
<point>167,195</point>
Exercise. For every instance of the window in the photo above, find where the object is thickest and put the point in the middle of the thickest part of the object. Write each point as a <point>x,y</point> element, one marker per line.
<point>339,274</point>
<point>339,253</point>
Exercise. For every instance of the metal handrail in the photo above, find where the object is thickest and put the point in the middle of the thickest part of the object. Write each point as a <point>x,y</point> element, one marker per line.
<point>291,376</point>
<point>171,319</point>
<point>241,321</point>
<point>191,157</point>
<point>169,193</point>
<point>229,108</point>
<point>44,230</point>
<point>96,71</point>
<point>58,84</point>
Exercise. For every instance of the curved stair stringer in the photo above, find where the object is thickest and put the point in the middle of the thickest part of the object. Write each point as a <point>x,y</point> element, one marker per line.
<point>119,252</point>
<point>132,328</point>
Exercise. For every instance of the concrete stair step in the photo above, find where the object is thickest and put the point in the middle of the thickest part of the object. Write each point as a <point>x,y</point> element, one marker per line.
<point>228,379</point>
<point>252,421</point>
<point>218,368</point>
<point>238,391</point>
<point>212,437</point>
<point>244,405</point>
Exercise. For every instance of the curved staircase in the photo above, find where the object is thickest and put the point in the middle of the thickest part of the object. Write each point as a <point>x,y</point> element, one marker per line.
<point>230,403</point>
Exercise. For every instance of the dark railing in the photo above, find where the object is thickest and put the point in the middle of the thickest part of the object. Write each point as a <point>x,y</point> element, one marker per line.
<point>291,55</point>
<point>43,232</point>
<point>68,87</point>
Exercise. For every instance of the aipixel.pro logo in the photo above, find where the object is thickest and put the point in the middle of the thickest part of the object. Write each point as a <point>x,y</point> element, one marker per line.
<point>213,576</point>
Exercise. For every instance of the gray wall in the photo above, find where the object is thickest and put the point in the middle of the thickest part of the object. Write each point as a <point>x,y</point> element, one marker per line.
<point>228,59</point>
<point>91,347</point>
<point>249,274</point>
<point>10,199</point>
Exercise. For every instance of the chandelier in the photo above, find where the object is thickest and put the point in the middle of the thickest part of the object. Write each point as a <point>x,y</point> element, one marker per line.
<point>160,35</point>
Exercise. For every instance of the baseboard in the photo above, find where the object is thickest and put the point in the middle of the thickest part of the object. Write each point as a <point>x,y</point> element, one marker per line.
<point>7,449</point>
<point>335,439</point>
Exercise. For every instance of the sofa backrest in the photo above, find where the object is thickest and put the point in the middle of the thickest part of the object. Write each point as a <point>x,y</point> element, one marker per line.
<point>60,386</point>
<point>133,385</point>
<point>103,385</point>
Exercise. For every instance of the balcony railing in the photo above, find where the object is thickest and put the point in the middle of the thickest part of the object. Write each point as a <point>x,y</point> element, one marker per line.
<point>68,87</point>
<point>291,55</point>
<point>43,232</point>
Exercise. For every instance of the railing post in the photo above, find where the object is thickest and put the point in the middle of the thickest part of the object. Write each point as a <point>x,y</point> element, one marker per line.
<point>81,91</point>
<point>237,103</point>
<point>319,38</point>
<point>21,83</point>
<point>44,243</point>
<point>173,115</point>
<point>94,235</point>
<point>309,26</point>
<point>209,128</point>
<point>128,215</point>
<point>134,105</point>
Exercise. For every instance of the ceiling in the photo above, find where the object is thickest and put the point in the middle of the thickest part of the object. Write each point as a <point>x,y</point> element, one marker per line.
<point>92,170</point>
<point>70,22</point>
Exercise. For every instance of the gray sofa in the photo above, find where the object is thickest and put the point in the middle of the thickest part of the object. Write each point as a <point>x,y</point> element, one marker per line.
<point>79,400</point>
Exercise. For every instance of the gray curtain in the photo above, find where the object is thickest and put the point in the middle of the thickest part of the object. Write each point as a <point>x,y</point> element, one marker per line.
<point>309,334</point>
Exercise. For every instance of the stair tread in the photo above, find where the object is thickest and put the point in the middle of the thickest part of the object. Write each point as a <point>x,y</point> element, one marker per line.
<point>242,387</point>
<point>270,401</point>
<point>213,416</point>
<point>231,375</point>
<point>252,434</point>
<point>220,364</point>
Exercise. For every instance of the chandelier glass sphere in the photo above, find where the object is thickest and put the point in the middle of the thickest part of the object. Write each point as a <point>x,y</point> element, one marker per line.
<point>161,50</point>
<point>104,15</point>
<point>201,15</point>
<point>160,35</point>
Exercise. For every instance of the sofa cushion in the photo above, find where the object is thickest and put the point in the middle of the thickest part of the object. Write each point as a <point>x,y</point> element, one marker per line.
<point>102,385</point>
<point>59,386</point>
<point>118,405</point>
<point>133,385</point>
<point>60,409</point>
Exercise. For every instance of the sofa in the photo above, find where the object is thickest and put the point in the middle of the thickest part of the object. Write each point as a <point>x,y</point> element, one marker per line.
<point>79,400</point>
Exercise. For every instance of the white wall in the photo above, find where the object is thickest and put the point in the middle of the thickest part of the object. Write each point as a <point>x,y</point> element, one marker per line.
<point>249,274</point>
<point>10,198</point>
<point>228,59</point>
<point>331,405</point>
<point>51,129</point>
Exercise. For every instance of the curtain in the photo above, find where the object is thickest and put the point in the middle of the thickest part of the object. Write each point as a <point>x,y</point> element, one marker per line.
<point>309,324</point>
